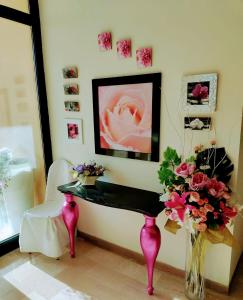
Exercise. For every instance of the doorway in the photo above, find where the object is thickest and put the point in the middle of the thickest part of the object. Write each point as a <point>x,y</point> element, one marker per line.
<point>25,146</point>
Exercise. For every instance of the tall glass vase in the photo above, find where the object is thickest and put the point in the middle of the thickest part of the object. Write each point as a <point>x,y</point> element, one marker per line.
<point>194,269</point>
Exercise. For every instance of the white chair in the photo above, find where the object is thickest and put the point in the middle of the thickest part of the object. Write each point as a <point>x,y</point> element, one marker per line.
<point>43,229</point>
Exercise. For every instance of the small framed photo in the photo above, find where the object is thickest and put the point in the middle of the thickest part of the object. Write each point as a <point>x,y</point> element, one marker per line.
<point>72,106</point>
<point>74,130</point>
<point>197,123</point>
<point>70,72</point>
<point>199,92</point>
<point>71,89</point>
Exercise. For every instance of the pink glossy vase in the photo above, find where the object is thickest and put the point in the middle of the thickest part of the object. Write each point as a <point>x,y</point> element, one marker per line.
<point>150,240</point>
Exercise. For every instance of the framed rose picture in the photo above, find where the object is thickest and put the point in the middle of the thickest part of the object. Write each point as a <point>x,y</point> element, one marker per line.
<point>73,129</point>
<point>127,116</point>
<point>70,72</point>
<point>199,92</point>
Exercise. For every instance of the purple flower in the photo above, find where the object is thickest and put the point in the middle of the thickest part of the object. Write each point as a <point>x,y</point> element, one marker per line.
<point>89,170</point>
<point>79,169</point>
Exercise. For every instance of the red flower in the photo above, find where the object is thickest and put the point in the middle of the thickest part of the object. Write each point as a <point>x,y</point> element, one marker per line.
<point>198,181</point>
<point>216,188</point>
<point>228,212</point>
<point>200,91</point>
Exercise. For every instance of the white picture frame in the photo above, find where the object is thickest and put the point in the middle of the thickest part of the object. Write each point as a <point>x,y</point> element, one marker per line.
<point>73,130</point>
<point>199,93</point>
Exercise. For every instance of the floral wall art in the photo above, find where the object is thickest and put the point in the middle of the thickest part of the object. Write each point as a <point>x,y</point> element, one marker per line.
<point>197,123</point>
<point>144,57</point>
<point>199,92</point>
<point>104,41</point>
<point>70,72</point>
<point>73,130</point>
<point>73,106</point>
<point>71,89</point>
<point>124,48</point>
<point>126,116</point>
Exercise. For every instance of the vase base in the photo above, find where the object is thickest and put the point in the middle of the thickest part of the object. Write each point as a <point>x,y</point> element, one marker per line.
<point>193,296</point>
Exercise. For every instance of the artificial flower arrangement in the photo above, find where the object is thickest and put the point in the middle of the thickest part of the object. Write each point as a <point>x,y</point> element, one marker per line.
<point>83,172</point>
<point>197,188</point>
<point>196,195</point>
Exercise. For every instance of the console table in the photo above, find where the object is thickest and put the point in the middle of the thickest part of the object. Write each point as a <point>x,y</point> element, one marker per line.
<point>118,196</point>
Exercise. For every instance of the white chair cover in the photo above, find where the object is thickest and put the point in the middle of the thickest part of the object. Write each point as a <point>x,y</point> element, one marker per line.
<point>42,229</point>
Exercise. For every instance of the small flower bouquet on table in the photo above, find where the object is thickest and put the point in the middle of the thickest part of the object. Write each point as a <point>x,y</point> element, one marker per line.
<point>196,195</point>
<point>86,174</point>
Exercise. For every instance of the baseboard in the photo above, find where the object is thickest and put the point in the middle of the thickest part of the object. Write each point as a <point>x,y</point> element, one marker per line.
<point>140,259</point>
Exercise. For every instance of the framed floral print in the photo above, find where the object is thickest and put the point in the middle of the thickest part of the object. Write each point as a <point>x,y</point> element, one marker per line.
<point>127,116</point>
<point>199,92</point>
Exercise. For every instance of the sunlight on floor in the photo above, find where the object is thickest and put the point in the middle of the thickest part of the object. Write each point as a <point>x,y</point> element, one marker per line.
<point>38,285</point>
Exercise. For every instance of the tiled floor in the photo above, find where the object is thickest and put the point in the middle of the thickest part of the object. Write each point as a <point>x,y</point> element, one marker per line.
<point>105,276</point>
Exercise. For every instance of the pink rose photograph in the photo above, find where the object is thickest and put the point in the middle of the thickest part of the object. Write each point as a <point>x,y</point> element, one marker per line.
<point>125,115</point>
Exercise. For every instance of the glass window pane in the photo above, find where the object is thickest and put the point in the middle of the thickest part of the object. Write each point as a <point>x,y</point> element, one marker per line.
<point>22,176</point>
<point>22,5</point>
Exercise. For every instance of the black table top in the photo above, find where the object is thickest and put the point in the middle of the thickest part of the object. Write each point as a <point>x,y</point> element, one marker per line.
<point>118,196</point>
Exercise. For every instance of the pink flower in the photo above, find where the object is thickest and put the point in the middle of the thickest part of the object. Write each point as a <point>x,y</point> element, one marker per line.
<point>144,57</point>
<point>124,48</point>
<point>185,169</point>
<point>216,188</point>
<point>178,203</point>
<point>201,226</point>
<point>198,181</point>
<point>200,91</point>
<point>104,41</point>
<point>125,117</point>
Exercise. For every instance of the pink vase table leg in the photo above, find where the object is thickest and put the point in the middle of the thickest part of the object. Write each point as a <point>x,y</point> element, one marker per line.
<point>150,240</point>
<point>70,214</point>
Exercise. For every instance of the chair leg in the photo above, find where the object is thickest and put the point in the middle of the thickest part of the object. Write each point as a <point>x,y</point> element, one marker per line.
<point>70,214</point>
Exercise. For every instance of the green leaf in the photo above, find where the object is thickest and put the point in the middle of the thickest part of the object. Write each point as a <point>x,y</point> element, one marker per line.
<point>165,164</point>
<point>166,176</point>
<point>172,156</point>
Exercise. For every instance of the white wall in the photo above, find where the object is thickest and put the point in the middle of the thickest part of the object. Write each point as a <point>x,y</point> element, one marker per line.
<point>187,37</point>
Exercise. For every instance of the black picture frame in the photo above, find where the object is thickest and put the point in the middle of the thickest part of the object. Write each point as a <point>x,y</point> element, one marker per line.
<point>155,80</point>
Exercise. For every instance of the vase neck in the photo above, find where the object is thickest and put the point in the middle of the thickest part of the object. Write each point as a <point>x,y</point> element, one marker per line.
<point>149,221</point>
